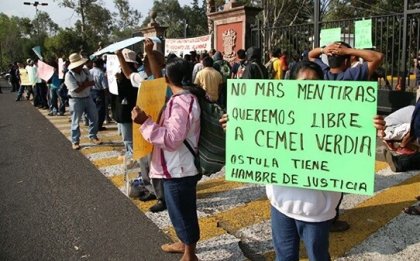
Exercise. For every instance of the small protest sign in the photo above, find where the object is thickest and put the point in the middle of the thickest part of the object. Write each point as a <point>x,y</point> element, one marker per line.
<point>363,34</point>
<point>307,134</point>
<point>45,71</point>
<point>112,68</point>
<point>329,36</point>
<point>60,68</point>
<point>150,98</point>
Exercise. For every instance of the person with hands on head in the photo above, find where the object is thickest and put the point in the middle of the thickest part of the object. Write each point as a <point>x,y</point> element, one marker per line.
<point>339,62</point>
<point>171,160</point>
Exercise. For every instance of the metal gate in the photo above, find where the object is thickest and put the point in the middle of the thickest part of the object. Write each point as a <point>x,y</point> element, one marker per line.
<point>387,37</point>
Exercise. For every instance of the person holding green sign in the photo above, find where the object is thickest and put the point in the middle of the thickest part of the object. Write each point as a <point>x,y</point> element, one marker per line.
<point>298,213</point>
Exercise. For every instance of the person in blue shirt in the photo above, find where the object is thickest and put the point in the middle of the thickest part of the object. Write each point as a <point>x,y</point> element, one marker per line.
<point>339,62</point>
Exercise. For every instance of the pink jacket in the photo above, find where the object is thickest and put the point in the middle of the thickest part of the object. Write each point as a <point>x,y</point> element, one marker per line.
<point>179,121</point>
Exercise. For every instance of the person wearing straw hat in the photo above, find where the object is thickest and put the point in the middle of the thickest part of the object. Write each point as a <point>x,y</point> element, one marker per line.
<point>79,82</point>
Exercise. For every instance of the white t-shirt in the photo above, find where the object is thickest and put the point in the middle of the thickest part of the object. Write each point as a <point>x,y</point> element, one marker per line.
<point>302,204</point>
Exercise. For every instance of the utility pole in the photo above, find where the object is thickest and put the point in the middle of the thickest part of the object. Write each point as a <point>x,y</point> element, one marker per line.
<point>316,23</point>
<point>185,28</point>
<point>36,4</point>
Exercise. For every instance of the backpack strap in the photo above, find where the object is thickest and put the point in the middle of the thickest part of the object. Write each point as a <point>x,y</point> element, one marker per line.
<point>190,148</point>
<point>259,69</point>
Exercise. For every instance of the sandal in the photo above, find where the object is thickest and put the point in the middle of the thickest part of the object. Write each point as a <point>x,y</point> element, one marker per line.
<point>412,210</point>
<point>177,247</point>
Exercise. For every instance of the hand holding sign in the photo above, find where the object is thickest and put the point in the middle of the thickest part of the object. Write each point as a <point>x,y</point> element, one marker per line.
<point>138,115</point>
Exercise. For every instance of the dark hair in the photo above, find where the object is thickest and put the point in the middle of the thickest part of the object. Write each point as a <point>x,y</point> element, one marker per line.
<point>204,55</point>
<point>276,52</point>
<point>241,54</point>
<point>170,57</point>
<point>177,71</point>
<point>306,65</point>
<point>98,62</point>
<point>187,57</point>
<point>208,62</point>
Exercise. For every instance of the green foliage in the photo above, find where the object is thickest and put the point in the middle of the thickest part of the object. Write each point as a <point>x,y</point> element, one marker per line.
<point>128,17</point>
<point>171,14</point>
<point>63,44</point>
<point>12,41</point>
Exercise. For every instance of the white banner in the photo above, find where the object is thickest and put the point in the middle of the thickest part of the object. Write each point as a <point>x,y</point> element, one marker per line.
<point>186,45</point>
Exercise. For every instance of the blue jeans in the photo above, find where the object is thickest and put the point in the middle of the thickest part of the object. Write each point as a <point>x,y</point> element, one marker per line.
<point>98,97</point>
<point>181,201</point>
<point>53,100</point>
<point>287,233</point>
<point>21,91</point>
<point>127,136</point>
<point>77,107</point>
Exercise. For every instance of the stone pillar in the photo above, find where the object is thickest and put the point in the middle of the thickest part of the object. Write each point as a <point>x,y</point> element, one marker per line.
<point>154,29</point>
<point>231,28</point>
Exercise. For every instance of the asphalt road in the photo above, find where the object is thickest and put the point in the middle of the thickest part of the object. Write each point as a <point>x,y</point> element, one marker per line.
<point>55,205</point>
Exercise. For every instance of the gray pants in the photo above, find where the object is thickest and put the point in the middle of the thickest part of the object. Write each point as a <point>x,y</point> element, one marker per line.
<point>154,186</point>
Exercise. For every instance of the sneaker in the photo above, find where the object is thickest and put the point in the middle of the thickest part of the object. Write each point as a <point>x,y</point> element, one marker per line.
<point>60,114</point>
<point>339,226</point>
<point>391,160</point>
<point>51,113</point>
<point>96,141</point>
<point>158,207</point>
<point>75,146</point>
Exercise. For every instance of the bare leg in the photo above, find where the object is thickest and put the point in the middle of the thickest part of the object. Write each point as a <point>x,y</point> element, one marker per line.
<point>189,253</point>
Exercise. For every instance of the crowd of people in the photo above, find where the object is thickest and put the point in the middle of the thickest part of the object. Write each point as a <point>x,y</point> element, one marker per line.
<point>169,173</point>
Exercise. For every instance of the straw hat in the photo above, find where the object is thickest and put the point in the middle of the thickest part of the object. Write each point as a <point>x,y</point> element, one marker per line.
<point>76,60</point>
<point>129,55</point>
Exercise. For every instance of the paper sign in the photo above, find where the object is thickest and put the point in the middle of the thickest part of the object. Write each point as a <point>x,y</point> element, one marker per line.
<point>151,99</point>
<point>185,45</point>
<point>37,51</point>
<point>60,68</point>
<point>112,68</point>
<point>307,134</point>
<point>45,71</point>
<point>122,44</point>
<point>329,36</point>
<point>363,34</point>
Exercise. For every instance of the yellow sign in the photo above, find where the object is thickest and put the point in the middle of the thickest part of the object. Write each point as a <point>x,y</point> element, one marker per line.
<point>151,99</point>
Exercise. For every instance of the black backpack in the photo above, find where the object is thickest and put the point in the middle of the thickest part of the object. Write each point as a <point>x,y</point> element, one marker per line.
<point>211,144</point>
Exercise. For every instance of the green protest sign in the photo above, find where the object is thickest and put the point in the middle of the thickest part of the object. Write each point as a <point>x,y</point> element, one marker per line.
<point>363,34</point>
<point>308,134</point>
<point>328,36</point>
